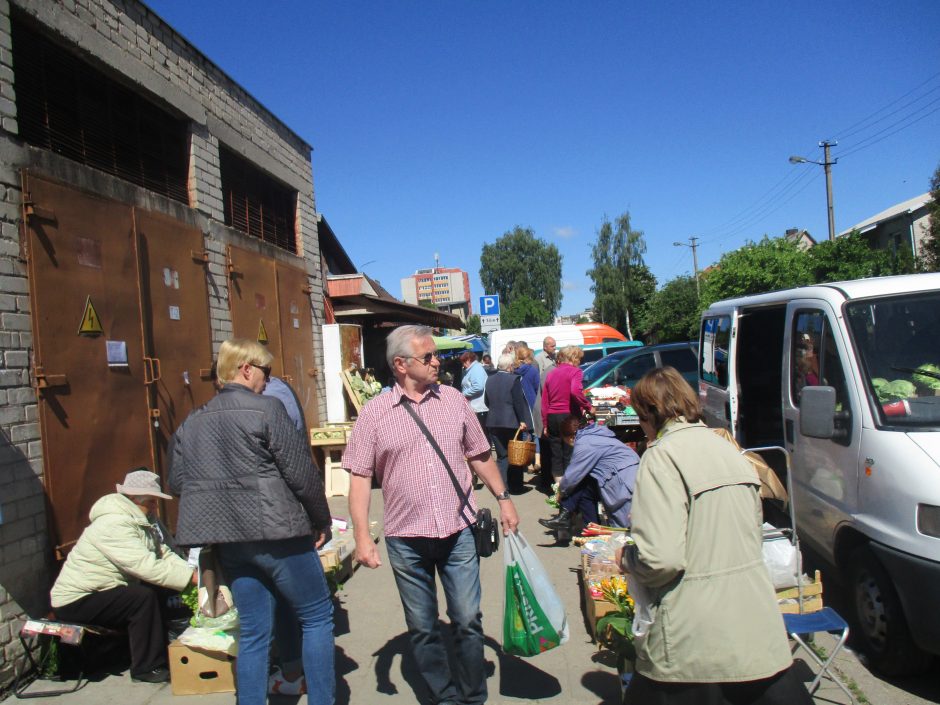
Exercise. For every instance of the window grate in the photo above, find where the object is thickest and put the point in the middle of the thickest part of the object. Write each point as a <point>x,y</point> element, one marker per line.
<point>67,106</point>
<point>257,204</point>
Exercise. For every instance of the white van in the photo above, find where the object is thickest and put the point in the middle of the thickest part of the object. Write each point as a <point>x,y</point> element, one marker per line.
<point>845,377</point>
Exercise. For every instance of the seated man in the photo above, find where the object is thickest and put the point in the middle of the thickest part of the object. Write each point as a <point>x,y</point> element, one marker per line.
<point>601,468</point>
<point>105,578</point>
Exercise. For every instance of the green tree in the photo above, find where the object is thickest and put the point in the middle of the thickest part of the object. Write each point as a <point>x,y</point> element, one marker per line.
<point>622,283</point>
<point>930,247</point>
<point>473,325</point>
<point>756,268</point>
<point>520,265</point>
<point>524,312</point>
<point>850,257</point>
<point>427,303</point>
<point>673,313</point>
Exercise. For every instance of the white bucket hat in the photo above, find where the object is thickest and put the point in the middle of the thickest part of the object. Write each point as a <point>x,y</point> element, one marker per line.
<point>141,482</point>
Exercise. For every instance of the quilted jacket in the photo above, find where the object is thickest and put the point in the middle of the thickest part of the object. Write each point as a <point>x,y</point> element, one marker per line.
<point>243,473</point>
<point>118,548</point>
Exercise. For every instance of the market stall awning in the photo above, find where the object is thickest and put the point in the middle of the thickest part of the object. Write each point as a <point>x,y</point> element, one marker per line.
<point>450,344</point>
<point>359,306</point>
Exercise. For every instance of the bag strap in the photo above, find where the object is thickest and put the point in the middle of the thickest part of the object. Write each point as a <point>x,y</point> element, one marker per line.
<point>464,497</point>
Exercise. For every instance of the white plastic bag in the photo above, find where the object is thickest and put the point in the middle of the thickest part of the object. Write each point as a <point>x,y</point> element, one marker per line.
<point>531,601</point>
<point>210,640</point>
<point>782,561</point>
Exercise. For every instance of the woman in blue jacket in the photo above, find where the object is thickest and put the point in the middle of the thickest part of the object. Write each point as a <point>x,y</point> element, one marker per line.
<point>602,468</point>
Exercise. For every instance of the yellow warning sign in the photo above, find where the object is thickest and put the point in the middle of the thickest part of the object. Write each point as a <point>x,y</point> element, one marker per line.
<point>262,333</point>
<point>91,324</point>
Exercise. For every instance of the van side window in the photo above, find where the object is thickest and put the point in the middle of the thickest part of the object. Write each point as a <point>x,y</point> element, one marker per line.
<point>630,372</point>
<point>713,360</point>
<point>814,359</point>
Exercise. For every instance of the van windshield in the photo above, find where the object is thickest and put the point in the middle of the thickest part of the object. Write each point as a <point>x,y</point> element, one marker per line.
<point>898,345</point>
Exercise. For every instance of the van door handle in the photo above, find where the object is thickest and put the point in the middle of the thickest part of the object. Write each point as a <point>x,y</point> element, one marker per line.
<point>789,430</point>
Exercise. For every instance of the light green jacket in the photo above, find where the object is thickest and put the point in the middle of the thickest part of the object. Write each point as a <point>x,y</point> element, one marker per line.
<point>117,548</point>
<point>697,526</point>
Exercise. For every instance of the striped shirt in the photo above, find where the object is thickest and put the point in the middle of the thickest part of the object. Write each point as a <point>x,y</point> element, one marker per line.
<point>386,443</point>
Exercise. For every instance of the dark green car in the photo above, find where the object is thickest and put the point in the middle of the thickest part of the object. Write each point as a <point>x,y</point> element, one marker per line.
<point>625,368</point>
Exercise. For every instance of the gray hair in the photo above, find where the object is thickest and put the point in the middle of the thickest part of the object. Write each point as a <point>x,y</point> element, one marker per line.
<point>505,362</point>
<point>400,342</point>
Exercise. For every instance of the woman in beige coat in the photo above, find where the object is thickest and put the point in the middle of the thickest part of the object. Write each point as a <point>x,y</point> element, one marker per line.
<point>717,636</point>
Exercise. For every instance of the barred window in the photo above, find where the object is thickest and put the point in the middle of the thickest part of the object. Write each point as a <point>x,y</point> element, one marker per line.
<point>257,204</point>
<point>65,105</point>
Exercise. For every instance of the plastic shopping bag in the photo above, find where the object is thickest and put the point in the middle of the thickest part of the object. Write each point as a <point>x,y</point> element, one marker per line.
<point>781,559</point>
<point>534,618</point>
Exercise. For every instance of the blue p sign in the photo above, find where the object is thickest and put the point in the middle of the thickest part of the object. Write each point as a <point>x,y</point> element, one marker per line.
<point>489,305</point>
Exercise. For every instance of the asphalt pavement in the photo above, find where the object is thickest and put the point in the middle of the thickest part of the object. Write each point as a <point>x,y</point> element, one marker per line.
<point>374,667</point>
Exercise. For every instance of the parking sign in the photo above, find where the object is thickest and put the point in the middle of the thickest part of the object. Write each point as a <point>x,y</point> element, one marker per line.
<point>489,305</point>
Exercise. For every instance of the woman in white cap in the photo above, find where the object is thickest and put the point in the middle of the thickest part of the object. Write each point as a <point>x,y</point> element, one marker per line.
<point>109,576</point>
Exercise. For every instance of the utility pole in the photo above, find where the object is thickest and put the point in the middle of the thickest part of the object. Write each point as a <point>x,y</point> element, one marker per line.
<point>693,243</point>
<point>827,165</point>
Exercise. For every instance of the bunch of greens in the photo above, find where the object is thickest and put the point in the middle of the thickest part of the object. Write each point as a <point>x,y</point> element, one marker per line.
<point>892,391</point>
<point>928,380</point>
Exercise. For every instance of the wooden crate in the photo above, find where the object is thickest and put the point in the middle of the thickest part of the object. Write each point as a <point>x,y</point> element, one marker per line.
<point>338,435</point>
<point>336,480</point>
<point>788,599</point>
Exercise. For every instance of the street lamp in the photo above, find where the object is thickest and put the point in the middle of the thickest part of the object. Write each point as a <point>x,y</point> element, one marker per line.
<point>825,164</point>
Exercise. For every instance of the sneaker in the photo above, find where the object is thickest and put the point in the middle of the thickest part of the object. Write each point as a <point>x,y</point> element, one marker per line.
<point>157,675</point>
<point>279,685</point>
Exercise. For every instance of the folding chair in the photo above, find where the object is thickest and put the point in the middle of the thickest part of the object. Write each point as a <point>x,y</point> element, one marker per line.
<point>826,620</point>
<point>67,634</point>
<point>801,625</point>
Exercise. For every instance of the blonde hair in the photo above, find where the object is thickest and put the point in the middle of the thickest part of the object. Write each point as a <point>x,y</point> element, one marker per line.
<point>237,352</point>
<point>662,394</point>
<point>524,355</point>
<point>571,354</point>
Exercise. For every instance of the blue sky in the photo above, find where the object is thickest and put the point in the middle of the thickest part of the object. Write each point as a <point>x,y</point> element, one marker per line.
<point>438,126</point>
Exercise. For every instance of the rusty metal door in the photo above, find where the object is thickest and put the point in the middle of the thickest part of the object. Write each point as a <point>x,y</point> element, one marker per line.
<point>253,301</point>
<point>297,337</point>
<point>177,333</point>
<point>88,350</point>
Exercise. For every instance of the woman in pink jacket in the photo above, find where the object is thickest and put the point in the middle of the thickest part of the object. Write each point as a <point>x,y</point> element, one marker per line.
<point>562,396</point>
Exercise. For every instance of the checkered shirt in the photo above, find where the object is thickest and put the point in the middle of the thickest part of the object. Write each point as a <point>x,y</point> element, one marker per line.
<point>420,499</point>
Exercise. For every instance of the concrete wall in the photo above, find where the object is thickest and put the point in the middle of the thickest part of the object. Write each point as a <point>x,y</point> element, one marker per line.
<point>120,38</point>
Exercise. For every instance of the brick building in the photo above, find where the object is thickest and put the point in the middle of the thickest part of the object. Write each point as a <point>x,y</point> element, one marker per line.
<point>150,208</point>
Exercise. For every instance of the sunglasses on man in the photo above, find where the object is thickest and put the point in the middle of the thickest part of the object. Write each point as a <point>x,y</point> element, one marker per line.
<point>424,359</point>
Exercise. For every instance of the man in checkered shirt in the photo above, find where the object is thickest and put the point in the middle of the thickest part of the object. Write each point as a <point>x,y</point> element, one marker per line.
<point>425,530</point>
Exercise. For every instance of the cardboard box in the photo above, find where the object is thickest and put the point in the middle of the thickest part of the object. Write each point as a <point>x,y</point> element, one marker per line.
<point>198,672</point>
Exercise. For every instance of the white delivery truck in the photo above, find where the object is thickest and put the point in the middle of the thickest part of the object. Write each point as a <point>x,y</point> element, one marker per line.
<point>846,377</point>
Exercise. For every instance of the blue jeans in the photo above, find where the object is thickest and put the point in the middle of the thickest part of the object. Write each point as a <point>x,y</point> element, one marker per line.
<point>260,572</point>
<point>584,498</point>
<point>414,562</point>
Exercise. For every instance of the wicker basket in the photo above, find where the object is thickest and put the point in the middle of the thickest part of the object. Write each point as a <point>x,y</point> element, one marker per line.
<point>521,452</point>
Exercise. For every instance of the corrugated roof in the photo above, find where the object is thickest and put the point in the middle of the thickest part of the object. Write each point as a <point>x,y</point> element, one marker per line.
<point>894,211</point>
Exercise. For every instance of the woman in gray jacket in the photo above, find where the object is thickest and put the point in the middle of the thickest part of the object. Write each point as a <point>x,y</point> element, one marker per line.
<point>247,484</point>
<point>717,636</point>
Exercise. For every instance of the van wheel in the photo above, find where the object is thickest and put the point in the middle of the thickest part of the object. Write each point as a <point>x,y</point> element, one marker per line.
<point>880,626</point>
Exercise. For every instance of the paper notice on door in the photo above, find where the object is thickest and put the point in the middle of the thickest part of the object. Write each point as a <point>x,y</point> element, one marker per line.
<point>174,313</point>
<point>116,352</point>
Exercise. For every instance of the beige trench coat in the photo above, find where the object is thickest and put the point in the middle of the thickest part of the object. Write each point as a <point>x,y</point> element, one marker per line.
<point>697,526</point>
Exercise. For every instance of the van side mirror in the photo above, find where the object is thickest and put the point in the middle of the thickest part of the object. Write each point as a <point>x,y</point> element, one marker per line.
<point>818,412</point>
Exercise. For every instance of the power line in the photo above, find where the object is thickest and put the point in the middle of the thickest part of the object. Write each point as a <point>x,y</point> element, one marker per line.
<point>841,135</point>
<point>870,141</point>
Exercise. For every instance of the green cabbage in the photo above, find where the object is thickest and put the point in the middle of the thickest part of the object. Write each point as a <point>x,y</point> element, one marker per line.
<point>927,380</point>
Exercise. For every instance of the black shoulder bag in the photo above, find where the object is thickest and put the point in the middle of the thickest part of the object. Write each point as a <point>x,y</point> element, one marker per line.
<point>485,531</point>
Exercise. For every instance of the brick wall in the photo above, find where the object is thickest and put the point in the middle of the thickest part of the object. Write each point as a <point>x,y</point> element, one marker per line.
<point>127,38</point>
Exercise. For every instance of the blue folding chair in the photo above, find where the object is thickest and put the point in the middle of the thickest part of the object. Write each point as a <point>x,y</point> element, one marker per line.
<point>799,626</point>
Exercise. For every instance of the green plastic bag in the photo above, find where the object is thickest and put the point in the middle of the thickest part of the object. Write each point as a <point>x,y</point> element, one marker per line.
<point>534,618</point>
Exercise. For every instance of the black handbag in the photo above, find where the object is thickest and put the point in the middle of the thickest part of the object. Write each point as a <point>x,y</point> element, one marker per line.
<point>485,531</point>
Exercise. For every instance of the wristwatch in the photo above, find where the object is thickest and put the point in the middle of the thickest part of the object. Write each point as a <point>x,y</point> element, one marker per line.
<point>503,495</point>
